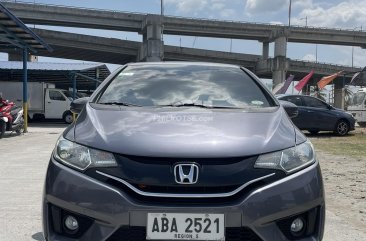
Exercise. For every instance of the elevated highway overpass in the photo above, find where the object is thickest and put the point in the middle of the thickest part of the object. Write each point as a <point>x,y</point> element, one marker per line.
<point>151,26</point>
<point>134,22</point>
<point>117,51</point>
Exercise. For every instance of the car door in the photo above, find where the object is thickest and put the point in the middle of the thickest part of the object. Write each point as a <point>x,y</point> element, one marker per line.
<point>319,115</point>
<point>299,119</point>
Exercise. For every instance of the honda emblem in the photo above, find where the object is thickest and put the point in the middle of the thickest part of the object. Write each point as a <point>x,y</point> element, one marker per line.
<point>186,173</point>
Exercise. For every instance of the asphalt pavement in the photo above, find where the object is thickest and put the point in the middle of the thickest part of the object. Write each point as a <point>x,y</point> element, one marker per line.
<point>24,160</point>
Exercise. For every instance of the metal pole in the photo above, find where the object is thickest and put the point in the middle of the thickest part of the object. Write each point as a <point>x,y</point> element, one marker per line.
<point>96,77</point>
<point>352,56</point>
<point>316,53</point>
<point>74,87</point>
<point>162,18</point>
<point>194,42</point>
<point>74,94</point>
<point>289,13</point>
<point>306,20</point>
<point>25,89</point>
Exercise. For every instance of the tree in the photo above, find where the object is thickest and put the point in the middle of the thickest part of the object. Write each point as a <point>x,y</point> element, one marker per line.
<point>316,92</point>
<point>347,96</point>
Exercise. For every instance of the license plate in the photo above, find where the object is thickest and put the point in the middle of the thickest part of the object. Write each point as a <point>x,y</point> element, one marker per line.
<point>185,226</point>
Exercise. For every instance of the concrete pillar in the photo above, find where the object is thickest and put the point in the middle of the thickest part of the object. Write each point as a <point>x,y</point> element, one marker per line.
<point>339,94</point>
<point>15,56</point>
<point>265,50</point>
<point>280,64</point>
<point>280,46</point>
<point>278,76</point>
<point>152,48</point>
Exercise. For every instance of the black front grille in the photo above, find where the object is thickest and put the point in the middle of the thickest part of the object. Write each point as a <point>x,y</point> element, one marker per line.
<point>171,160</point>
<point>139,234</point>
<point>156,175</point>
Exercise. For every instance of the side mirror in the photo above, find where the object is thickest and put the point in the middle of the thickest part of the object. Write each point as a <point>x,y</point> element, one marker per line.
<point>290,108</point>
<point>77,105</point>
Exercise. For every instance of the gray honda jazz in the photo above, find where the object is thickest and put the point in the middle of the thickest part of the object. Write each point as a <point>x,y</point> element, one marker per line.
<point>183,151</point>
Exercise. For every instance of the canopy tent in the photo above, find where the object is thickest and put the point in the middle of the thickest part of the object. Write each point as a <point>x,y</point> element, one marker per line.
<point>15,34</point>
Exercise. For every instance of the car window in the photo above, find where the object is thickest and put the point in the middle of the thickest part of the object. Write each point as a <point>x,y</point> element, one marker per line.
<point>69,94</point>
<point>56,95</point>
<point>155,85</point>
<point>313,102</point>
<point>293,99</point>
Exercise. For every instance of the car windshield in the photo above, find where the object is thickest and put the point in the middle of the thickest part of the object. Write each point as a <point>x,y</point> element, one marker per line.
<point>185,85</point>
<point>358,98</point>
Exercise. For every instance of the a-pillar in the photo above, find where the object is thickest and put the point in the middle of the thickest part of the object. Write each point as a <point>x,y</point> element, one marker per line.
<point>280,64</point>
<point>152,48</point>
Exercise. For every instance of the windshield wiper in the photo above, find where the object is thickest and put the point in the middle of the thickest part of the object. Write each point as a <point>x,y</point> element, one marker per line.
<point>118,103</point>
<point>199,105</point>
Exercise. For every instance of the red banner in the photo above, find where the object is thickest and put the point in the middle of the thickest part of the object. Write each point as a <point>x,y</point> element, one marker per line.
<point>304,81</point>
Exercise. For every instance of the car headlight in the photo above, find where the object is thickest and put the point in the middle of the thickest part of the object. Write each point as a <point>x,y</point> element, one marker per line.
<point>289,160</point>
<point>82,157</point>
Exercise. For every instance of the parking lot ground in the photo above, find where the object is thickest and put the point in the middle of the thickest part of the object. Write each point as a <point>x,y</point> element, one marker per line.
<point>24,161</point>
<point>343,163</point>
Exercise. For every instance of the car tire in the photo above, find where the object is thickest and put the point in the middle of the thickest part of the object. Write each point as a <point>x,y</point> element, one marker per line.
<point>313,132</point>
<point>342,128</point>
<point>68,118</point>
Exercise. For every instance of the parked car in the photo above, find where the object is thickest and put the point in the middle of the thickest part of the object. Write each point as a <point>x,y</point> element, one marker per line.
<point>183,151</point>
<point>315,115</point>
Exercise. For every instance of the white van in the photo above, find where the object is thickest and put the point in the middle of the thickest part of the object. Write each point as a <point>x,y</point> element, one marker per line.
<point>44,101</point>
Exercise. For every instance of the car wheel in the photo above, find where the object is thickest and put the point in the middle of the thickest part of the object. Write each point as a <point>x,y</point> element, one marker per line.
<point>68,118</point>
<point>313,132</point>
<point>342,128</point>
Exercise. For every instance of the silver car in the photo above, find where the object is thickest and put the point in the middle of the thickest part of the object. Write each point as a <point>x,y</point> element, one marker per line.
<point>183,151</point>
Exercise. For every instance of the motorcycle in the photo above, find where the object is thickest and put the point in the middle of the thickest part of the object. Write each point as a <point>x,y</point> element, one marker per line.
<point>11,117</point>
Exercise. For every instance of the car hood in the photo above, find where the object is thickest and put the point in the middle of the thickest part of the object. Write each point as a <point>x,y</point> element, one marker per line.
<point>184,132</point>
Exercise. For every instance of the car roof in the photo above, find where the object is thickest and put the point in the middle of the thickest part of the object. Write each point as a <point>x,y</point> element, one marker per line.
<point>308,96</point>
<point>285,95</point>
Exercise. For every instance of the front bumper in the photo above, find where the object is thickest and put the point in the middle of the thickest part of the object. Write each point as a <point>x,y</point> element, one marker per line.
<point>110,209</point>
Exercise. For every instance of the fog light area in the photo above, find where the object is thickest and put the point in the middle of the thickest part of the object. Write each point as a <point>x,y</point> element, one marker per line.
<point>71,223</point>
<point>297,225</point>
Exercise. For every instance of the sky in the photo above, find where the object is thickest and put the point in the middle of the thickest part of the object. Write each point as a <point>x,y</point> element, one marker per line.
<point>346,14</point>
